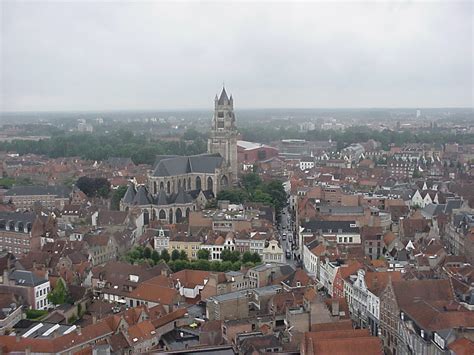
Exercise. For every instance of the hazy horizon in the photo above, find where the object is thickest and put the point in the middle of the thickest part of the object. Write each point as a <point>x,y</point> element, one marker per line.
<point>162,56</point>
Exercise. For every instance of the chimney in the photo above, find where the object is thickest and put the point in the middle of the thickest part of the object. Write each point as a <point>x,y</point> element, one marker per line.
<point>78,330</point>
<point>164,272</point>
<point>94,319</point>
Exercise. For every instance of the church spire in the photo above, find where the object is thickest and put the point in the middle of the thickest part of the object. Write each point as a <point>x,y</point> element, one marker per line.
<point>223,99</point>
<point>223,137</point>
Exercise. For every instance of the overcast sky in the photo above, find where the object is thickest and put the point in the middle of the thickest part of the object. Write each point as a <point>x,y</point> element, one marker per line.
<point>146,55</point>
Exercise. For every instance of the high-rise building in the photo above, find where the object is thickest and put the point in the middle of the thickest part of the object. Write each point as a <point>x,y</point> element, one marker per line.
<point>223,138</point>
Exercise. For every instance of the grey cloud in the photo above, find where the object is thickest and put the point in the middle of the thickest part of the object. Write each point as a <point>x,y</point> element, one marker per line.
<point>157,55</point>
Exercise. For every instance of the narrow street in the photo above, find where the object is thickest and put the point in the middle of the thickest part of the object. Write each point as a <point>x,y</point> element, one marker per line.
<point>286,237</point>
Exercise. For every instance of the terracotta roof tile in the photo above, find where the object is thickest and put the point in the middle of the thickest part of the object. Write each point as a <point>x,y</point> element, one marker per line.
<point>462,346</point>
<point>170,317</point>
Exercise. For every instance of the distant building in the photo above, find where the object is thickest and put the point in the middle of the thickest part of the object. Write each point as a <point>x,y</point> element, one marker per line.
<point>24,197</point>
<point>250,153</point>
<point>83,126</point>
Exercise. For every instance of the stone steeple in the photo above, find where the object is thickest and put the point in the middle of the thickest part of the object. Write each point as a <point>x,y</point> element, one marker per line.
<point>223,138</point>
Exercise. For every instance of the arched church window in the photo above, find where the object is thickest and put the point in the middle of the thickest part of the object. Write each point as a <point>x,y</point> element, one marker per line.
<point>179,215</point>
<point>162,214</point>
<point>224,181</point>
<point>198,183</point>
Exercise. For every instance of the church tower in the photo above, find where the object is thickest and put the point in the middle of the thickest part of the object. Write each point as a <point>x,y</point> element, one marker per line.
<point>223,138</point>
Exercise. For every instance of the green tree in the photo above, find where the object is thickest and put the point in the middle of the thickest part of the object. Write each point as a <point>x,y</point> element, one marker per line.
<point>94,187</point>
<point>180,265</point>
<point>277,192</point>
<point>155,256</point>
<point>236,266</point>
<point>251,181</point>
<point>203,254</point>
<point>202,264</point>
<point>215,265</point>
<point>247,257</point>
<point>59,295</point>
<point>183,255</point>
<point>175,254</point>
<point>256,259</point>
<point>234,256</point>
<point>117,196</point>
<point>226,255</point>
<point>165,255</point>
<point>226,266</point>
<point>147,253</point>
<point>261,196</point>
<point>232,195</point>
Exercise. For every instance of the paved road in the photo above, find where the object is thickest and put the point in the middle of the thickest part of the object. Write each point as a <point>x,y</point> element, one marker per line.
<point>286,241</point>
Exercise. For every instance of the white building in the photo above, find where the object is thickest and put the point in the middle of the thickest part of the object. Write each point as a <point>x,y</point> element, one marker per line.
<point>362,292</point>
<point>273,253</point>
<point>307,163</point>
<point>310,259</point>
<point>38,287</point>
<point>424,198</point>
<point>161,240</point>
<point>216,247</point>
<point>327,274</point>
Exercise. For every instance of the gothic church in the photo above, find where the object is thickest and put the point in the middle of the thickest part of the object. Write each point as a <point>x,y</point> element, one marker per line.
<point>180,184</point>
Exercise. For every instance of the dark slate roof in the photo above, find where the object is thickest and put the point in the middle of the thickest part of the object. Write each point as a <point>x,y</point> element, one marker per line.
<point>59,191</point>
<point>162,157</point>
<point>26,278</point>
<point>452,204</point>
<point>142,197</point>
<point>433,210</point>
<point>208,194</point>
<point>334,226</point>
<point>129,194</point>
<point>223,99</point>
<point>182,197</point>
<point>24,217</point>
<point>341,209</point>
<point>161,199</point>
<point>203,163</point>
